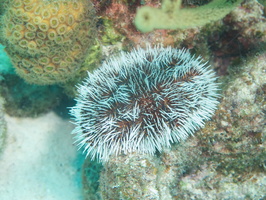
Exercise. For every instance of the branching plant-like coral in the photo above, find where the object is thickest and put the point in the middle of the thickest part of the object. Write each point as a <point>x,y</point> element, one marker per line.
<point>47,40</point>
<point>170,16</point>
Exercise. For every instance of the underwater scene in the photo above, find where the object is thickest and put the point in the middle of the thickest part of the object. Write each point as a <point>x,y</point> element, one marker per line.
<point>132,99</point>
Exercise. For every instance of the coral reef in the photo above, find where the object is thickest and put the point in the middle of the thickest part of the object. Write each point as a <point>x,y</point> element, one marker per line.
<point>92,61</point>
<point>225,161</point>
<point>2,7</point>
<point>240,34</point>
<point>142,101</point>
<point>47,40</point>
<point>170,16</point>
<point>116,25</point>
<point>232,147</point>
<point>227,158</point>
<point>223,42</point>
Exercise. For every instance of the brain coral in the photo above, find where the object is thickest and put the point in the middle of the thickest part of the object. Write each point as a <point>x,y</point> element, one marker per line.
<point>47,40</point>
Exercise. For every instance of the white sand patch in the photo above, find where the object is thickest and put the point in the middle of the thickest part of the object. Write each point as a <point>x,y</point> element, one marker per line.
<point>39,160</point>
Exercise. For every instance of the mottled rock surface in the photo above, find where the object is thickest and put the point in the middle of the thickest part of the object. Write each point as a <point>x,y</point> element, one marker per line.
<point>226,159</point>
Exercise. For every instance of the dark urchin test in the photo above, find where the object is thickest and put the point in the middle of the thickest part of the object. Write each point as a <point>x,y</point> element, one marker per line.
<point>143,101</point>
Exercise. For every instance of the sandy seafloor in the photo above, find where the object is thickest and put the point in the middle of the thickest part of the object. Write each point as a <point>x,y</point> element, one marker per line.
<point>39,161</point>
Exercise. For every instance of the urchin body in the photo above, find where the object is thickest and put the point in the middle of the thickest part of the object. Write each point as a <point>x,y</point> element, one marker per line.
<point>143,101</point>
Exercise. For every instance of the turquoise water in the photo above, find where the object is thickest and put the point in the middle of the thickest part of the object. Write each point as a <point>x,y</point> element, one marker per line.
<point>5,64</point>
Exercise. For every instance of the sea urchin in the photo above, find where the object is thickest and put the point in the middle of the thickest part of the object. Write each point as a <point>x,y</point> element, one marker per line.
<point>143,101</point>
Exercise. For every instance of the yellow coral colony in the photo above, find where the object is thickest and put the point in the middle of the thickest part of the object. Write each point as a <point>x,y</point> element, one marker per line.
<point>170,16</point>
<point>47,40</point>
